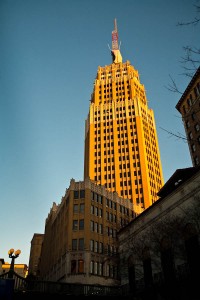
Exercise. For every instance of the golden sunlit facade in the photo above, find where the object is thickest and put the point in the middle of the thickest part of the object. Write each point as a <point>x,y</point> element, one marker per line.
<point>80,240</point>
<point>121,145</point>
<point>188,107</point>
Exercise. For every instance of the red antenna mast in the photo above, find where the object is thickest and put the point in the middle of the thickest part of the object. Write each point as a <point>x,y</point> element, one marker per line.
<point>115,45</point>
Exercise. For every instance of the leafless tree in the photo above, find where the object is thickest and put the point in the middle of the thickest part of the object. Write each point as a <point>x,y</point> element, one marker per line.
<point>191,58</point>
<point>170,228</point>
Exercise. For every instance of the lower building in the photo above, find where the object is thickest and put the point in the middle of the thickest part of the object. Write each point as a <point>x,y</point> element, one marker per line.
<point>20,269</point>
<point>1,263</point>
<point>80,239</point>
<point>35,252</point>
<point>159,249</point>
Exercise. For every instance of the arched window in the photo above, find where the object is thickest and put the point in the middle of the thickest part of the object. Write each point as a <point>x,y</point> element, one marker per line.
<point>167,260</point>
<point>148,277</point>
<point>131,275</point>
<point>192,249</point>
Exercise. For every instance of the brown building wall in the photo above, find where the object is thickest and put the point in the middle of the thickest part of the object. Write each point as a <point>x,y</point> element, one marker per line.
<point>189,108</point>
<point>80,235</point>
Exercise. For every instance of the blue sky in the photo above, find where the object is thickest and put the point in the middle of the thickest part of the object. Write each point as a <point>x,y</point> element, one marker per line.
<point>49,54</point>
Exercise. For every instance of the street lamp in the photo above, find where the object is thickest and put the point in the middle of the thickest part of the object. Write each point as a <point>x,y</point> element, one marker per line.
<point>13,254</point>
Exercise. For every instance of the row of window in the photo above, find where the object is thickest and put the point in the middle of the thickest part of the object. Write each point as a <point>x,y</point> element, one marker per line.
<point>136,173</point>
<point>111,101</point>
<point>96,268</point>
<point>117,109</point>
<point>109,203</point>
<point>79,208</point>
<point>190,99</point>
<point>107,159</point>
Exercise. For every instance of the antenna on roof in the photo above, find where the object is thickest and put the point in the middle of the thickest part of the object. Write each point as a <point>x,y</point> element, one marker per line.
<point>115,51</point>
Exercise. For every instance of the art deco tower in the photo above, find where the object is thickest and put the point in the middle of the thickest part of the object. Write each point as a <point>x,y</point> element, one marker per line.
<point>121,145</point>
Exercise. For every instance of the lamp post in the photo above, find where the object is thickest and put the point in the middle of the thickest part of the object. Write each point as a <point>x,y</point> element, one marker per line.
<point>13,254</point>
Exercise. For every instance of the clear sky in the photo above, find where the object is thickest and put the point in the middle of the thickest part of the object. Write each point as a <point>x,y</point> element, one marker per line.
<point>49,54</point>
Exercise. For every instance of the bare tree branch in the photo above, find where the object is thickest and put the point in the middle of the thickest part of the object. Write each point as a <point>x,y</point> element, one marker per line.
<point>178,135</point>
<point>173,87</point>
<point>194,22</point>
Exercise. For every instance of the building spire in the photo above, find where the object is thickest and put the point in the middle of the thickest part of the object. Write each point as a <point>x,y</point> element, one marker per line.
<point>116,55</point>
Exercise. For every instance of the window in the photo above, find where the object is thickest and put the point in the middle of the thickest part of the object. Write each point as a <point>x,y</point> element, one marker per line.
<point>95,268</point>
<point>74,244</point>
<point>76,194</point>
<point>100,199</point>
<point>197,127</point>
<point>82,193</point>
<point>73,266</point>
<point>75,224</point>
<point>96,227</point>
<point>82,207</point>
<point>196,161</point>
<point>190,136</point>
<point>92,209</point>
<point>100,212</point>
<point>75,208</point>
<point>92,267</point>
<point>80,266</point>
<point>91,245</point>
<point>193,116</point>
<point>100,269</point>
<point>96,211</point>
<point>92,225</point>
<point>193,148</point>
<point>96,246</point>
<point>187,124</point>
<point>101,228</point>
<point>81,244</point>
<point>100,247</point>
<point>81,224</point>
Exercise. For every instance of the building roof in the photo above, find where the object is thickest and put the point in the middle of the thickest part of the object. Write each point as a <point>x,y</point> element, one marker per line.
<point>197,73</point>
<point>179,177</point>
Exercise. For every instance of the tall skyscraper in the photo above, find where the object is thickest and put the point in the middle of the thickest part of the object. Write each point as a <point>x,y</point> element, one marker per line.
<point>121,144</point>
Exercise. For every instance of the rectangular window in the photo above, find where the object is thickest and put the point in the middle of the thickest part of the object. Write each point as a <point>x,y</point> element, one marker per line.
<point>100,247</point>
<point>82,207</point>
<point>74,244</point>
<point>100,199</point>
<point>96,211</point>
<point>76,194</point>
<point>100,269</point>
<point>92,209</point>
<point>92,225</point>
<point>96,227</point>
<point>81,244</point>
<point>75,224</point>
<point>82,193</point>
<point>80,266</point>
<point>95,268</point>
<point>73,267</point>
<point>100,228</point>
<point>81,224</point>
<point>96,246</point>
<point>92,267</point>
<point>92,245</point>
<point>75,208</point>
<point>100,212</point>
